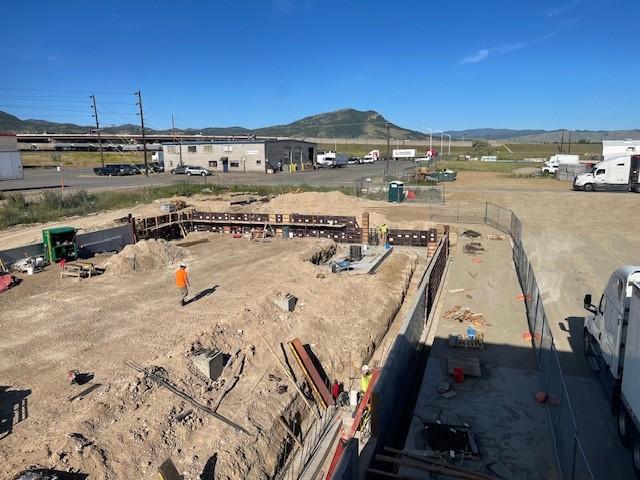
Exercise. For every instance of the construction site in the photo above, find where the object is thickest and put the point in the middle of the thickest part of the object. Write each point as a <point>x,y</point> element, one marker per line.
<point>293,300</point>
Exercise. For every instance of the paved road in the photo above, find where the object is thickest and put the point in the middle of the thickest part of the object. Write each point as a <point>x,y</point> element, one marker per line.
<point>83,178</point>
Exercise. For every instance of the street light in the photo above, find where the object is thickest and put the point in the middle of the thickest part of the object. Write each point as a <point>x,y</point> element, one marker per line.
<point>441,140</point>
<point>449,143</point>
<point>430,137</point>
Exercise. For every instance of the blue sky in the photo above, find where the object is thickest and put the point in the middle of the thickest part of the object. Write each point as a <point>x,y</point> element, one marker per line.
<point>445,65</point>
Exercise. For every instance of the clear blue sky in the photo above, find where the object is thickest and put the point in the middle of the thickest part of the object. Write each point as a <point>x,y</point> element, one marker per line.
<point>447,65</point>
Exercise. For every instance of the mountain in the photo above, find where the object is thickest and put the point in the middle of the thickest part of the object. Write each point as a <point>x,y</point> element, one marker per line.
<point>345,123</point>
<point>543,136</point>
<point>492,133</point>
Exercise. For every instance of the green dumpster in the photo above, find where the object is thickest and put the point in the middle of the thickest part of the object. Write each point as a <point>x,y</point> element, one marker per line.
<point>396,192</point>
<point>59,243</point>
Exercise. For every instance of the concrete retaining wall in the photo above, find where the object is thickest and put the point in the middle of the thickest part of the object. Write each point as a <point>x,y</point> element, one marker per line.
<point>108,240</point>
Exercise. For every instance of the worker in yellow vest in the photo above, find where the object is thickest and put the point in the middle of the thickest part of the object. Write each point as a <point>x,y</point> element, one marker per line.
<point>384,231</point>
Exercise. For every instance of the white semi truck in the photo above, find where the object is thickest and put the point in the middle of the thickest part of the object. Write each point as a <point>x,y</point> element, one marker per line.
<point>332,159</point>
<point>555,161</point>
<point>612,346</point>
<point>619,173</point>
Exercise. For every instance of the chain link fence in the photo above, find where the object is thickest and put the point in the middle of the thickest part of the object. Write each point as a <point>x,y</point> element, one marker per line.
<point>417,189</point>
<point>567,173</point>
<point>570,456</point>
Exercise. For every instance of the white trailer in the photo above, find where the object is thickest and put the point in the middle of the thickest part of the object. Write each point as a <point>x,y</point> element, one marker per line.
<point>611,340</point>
<point>409,153</point>
<point>551,166</point>
<point>332,159</point>
<point>613,174</point>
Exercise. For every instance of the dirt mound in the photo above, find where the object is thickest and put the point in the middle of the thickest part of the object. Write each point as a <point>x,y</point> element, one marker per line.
<point>320,251</point>
<point>145,256</point>
<point>320,203</point>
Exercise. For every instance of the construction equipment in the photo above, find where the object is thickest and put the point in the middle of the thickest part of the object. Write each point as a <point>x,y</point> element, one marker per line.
<point>59,243</point>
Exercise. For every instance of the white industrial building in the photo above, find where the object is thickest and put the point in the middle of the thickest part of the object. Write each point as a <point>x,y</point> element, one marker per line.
<point>612,148</point>
<point>241,155</point>
<point>10,158</point>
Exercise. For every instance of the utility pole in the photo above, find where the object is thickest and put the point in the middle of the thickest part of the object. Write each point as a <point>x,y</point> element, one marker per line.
<point>388,150</point>
<point>562,142</point>
<point>569,149</point>
<point>144,140</point>
<point>95,114</point>
<point>173,127</point>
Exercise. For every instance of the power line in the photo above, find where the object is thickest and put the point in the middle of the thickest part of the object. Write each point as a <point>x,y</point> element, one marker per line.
<point>79,92</point>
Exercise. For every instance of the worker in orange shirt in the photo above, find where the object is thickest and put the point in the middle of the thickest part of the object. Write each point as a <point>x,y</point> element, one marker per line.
<point>182,282</point>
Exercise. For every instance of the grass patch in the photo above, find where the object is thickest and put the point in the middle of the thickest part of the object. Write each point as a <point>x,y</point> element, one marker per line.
<point>497,167</point>
<point>51,206</point>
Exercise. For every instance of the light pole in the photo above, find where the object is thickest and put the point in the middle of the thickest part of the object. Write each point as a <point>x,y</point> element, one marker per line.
<point>441,140</point>
<point>430,137</point>
<point>446,134</point>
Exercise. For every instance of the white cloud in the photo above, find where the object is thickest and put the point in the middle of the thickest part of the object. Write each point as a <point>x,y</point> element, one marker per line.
<point>283,6</point>
<point>477,57</point>
<point>554,12</point>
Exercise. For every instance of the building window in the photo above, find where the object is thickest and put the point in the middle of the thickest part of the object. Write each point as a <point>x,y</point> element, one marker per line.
<point>235,164</point>
<point>192,148</point>
<point>172,149</point>
<point>227,148</point>
<point>213,163</point>
<point>297,154</point>
<point>208,148</point>
<point>258,162</point>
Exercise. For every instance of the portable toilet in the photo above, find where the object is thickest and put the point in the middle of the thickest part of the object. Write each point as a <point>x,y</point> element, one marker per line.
<point>59,243</point>
<point>396,192</point>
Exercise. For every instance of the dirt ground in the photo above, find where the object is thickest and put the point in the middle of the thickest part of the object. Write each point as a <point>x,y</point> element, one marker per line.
<point>573,239</point>
<point>128,425</point>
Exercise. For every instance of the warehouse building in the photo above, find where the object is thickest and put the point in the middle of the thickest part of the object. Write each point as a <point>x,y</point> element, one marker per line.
<point>266,156</point>
<point>10,158</point>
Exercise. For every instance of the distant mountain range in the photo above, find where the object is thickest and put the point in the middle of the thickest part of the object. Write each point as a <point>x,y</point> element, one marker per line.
<point>345,123</point>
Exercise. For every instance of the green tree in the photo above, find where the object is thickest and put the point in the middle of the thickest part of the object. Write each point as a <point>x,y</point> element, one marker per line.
<point>480,148</point>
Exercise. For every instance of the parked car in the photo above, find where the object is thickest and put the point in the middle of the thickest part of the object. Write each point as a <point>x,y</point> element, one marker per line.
<point>180,170</point>
<point>111,170</point>
<point>197,171</point>
<point>153,167</point>
<point>353,160</point>
<point>442,176</point>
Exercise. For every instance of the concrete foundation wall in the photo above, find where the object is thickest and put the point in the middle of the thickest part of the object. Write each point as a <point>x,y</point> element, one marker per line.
<point>90,243</point>
<point>398,371</point>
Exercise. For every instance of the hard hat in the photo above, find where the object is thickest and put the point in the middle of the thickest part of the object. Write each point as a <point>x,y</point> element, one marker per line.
<point>182,265</point>
<point>365,369</point>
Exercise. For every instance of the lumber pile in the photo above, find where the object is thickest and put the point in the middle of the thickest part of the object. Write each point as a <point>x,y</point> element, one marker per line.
<point>426,464</point>
<point>464,315</point>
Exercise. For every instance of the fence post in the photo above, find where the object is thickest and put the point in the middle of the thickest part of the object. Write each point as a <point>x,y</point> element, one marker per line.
<point>486,208</point>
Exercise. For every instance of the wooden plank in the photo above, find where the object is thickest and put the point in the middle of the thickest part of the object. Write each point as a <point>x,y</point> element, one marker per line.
<point>311,373</point>
<point>289,431</point>
<point>454,472</point>
<point>291,379</point>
